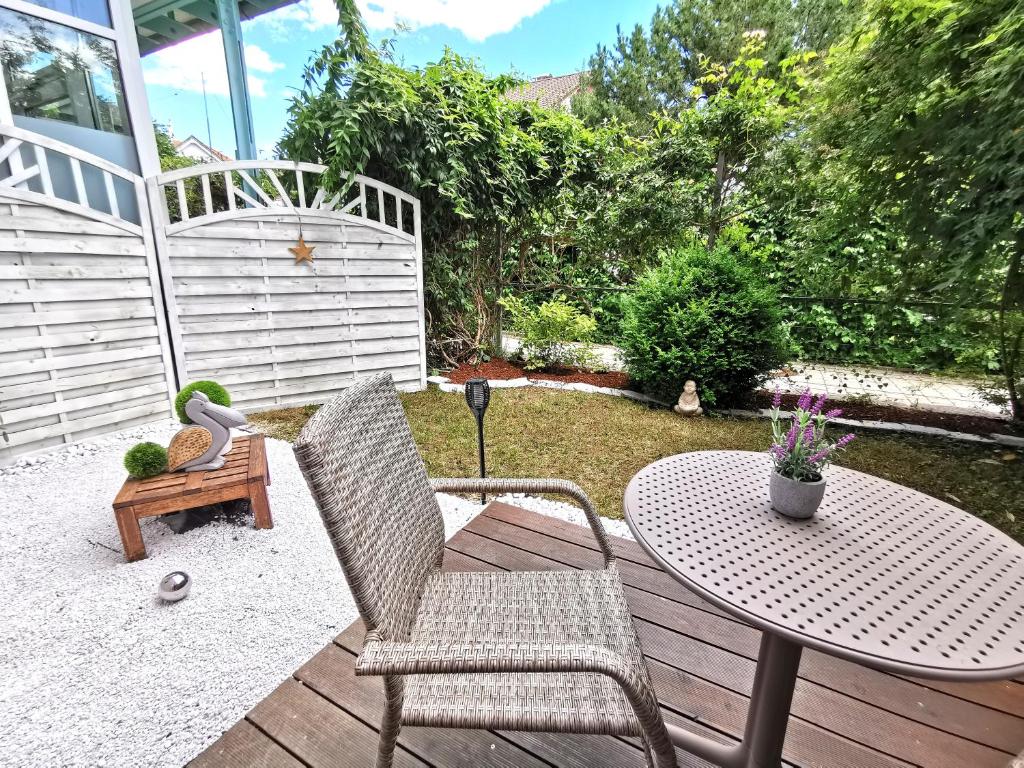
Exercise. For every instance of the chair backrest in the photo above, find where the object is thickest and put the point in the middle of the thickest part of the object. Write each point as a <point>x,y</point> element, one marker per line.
<point>370,485</point>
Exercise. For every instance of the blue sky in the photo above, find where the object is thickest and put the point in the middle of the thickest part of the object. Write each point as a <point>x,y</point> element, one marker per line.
<point>532,37</point>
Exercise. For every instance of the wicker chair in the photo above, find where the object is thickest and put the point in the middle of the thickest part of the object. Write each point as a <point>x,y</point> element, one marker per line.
<point>527,651</point>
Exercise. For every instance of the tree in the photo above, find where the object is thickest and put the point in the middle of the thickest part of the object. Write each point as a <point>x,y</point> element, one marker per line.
<point>649,73</point>
<point>483,167</point>
<point>922,106</point>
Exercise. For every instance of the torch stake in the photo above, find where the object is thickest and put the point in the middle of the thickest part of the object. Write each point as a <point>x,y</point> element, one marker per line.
<point>478,395</point>
<point>480,448</point>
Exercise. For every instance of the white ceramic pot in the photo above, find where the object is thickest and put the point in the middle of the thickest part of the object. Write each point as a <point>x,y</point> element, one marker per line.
<point>795,498</point>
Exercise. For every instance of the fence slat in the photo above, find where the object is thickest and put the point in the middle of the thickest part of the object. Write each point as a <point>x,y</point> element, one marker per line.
<point>179,185</point>
<point>207,196</point>
<point>44,170</point>
<point>76,174</point>
<point>229,185</point>
<point>300,185</point>
<point>108,182</point>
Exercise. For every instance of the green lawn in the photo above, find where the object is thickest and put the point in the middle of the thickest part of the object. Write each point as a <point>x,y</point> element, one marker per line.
<point>600,442</point>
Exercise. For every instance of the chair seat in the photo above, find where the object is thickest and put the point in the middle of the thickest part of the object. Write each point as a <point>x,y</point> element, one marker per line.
<point>577,607</point>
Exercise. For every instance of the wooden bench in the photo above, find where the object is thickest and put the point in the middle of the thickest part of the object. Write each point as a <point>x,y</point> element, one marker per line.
<point>245,475</point>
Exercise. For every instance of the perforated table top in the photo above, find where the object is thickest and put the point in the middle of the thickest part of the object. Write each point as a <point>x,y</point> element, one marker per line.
<point>882,575</point>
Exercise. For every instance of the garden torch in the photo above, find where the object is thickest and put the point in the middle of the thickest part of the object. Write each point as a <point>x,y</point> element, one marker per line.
<point>478,395</point>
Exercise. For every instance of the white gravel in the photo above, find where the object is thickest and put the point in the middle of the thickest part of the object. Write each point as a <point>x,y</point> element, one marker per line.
<point>97,671</point>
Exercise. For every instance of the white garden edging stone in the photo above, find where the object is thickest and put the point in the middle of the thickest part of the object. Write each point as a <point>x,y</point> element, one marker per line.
<point>446,385</point>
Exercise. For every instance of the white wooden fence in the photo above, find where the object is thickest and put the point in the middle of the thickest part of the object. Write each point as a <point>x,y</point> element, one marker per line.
<point>83,342</point>
<point>116,290</point>
<point>277,332</point>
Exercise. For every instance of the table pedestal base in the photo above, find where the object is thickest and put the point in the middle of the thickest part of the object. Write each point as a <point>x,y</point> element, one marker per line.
<point>767,717</point>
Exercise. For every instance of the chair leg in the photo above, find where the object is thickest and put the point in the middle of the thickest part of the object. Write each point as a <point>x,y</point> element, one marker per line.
<point>665,753</point>
<point>648,757</point>
<point>391,724</point>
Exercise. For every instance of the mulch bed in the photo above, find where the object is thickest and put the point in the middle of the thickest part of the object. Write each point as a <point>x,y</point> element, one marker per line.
<point>955,422</point>
<point>496,368</point>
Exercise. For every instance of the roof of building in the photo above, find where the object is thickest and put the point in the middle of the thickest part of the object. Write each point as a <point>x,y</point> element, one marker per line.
<point>546,90</point>
<point>161,23</point>
<point>204,146</point>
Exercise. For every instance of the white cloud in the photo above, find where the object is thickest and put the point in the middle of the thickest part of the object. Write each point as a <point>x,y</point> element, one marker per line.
<point>476,19</point>
<point>310,14</point>
<point>259,60</point>
<point>184,66</point>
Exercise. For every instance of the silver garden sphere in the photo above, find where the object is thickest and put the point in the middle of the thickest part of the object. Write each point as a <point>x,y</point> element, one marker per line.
<point>175,586</point>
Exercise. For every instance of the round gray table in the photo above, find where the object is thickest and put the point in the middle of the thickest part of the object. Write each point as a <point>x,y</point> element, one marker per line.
<point>882,575</point>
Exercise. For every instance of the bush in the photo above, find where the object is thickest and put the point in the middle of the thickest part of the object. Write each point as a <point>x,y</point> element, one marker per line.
<point>706,317</point>
<point>211,389</point>
<point>555,333</point>
<point>145,460</point>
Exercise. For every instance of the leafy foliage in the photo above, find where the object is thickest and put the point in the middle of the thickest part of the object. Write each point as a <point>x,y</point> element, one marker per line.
<point>483,167</point>
<point>704,316</point>
<point>548,333</point>
<point>922,108</point>
<point>145,460</point>
<point>652,73</point>
<point>211,389</point>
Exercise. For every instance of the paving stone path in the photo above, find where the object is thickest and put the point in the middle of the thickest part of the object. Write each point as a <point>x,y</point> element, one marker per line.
<point>886,386</point>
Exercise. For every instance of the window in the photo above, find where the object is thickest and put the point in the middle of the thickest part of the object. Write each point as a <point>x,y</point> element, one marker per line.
<point>95,11</point>
<point>56,72</point>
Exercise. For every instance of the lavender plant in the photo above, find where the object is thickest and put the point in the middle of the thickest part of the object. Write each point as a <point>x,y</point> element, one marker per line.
<point>802,451</point>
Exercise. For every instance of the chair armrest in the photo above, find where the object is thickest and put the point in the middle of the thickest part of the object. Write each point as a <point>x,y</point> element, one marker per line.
<point>522,485</point>
<point>381,657</point>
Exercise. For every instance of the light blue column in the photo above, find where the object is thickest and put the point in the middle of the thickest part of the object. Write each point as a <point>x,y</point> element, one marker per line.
<point>238,83</point>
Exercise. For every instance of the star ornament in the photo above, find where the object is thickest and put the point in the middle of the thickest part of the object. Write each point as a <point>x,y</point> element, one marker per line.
<point>302,251</point>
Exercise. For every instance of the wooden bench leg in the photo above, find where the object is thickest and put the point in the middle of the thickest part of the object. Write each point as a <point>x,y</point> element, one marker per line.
<point>260,504</point>
<point>131,534</point>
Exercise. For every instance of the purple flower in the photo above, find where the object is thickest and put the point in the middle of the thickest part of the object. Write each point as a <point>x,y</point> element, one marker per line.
<point>845,440</point>
<point>791,437</point>
<point>819,403</point>
<point>819,456</point>
<point>777,400</point>
<point>809,436</point>
<point>835,413</point>
<point>778,452</point>
<point>805,400</point>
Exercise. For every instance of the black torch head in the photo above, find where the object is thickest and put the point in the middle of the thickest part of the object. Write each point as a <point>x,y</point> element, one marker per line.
<point>478,395</point>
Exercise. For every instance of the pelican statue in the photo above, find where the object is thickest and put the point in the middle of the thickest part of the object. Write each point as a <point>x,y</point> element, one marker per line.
<point>203,447</point>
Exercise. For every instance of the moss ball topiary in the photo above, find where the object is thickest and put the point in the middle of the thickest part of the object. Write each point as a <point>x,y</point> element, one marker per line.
<point>145,460</point>
<point>211,389</point>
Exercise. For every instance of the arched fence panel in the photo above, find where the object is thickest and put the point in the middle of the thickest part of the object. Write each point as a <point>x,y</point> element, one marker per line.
<point>83,339</point>
<point>274,328</point>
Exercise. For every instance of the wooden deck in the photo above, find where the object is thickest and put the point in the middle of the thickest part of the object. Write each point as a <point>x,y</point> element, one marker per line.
<point>702,662</point>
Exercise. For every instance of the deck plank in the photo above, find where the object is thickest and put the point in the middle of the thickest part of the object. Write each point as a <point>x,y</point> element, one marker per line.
<point>701,662</point>
<point>331,673</point>
<point>320,734</point>
<point>243,745</point>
